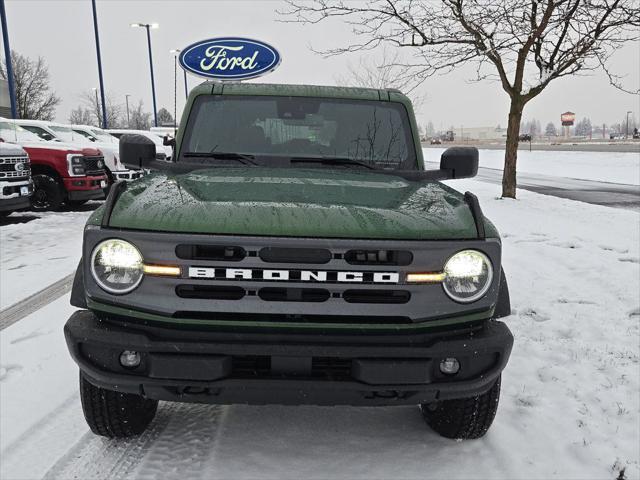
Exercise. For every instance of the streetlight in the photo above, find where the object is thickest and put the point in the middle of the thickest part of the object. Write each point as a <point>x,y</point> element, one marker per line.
<point>176,51</point>
<point>148,27</point>
<point>7,57</point>
<point>95,29</point>
<point>626,137</point>
<point>126,100</point>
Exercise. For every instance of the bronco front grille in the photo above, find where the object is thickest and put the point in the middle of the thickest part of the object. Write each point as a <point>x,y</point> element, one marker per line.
<point>244,279</point>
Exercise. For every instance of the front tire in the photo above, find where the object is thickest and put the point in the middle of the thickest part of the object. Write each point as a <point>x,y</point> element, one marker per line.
<point>115,414</point>
<point>464,418</point>
<point>48,194</point>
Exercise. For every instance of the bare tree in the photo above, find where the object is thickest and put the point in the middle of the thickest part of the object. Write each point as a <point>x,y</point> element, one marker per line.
<point>114,109</point>
<point>81,116</point>
<point>383,72</point>
<point>34,98</point>
<point>139,119</point>
<point>522,44</point>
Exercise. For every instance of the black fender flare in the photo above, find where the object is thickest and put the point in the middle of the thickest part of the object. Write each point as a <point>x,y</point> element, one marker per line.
<point>78,298</point>
<point>503,305</point>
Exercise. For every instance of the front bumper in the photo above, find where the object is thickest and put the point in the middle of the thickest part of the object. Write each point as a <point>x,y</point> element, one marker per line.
<point>11,197</point>
<point>207,367</point>
<point>127,174</point>
<point>86,188</point>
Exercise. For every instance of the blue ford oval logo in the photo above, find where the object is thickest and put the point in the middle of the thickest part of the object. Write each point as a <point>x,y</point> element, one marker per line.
<point>229,58</point>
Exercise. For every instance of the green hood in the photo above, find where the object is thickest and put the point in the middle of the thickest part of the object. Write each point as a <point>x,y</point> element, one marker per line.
<point>317,202</point>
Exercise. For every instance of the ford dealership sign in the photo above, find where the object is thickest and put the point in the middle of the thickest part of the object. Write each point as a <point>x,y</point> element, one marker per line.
<point>229,58</point>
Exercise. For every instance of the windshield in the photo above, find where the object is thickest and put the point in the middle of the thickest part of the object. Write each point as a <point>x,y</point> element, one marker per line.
<point>12,132</point>
<point>86,134</point>
<point>104,136</point>
<point>68,135</point>
<point>373,132</point>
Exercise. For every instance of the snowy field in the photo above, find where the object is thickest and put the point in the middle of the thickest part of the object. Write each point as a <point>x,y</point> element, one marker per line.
<point>613,167</point>
<point>569,407</point>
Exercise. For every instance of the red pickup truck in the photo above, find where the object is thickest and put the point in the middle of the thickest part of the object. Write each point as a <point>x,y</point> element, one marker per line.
<point>62,173</point>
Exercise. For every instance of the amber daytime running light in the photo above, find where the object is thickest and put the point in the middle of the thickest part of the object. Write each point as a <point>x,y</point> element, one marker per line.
<point>425,277</point>
<point>161,270</point>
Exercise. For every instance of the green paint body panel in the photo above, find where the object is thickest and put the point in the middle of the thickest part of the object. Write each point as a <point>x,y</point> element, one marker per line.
<point>284,202</point>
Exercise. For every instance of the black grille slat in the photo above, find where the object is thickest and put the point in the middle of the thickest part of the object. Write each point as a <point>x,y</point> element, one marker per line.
<point>210,292</point>
<point>295,255</point>
<point>377,296</point>
<point>211,252</point>
<point>294,294</point>
<point>378,257</point>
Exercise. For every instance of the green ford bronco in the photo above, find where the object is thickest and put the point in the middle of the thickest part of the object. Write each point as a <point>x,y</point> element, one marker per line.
<point>294,251</point>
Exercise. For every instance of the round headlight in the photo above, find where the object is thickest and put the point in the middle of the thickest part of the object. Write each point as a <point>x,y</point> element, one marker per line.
<point>468,276</point>
<point>116,266</point>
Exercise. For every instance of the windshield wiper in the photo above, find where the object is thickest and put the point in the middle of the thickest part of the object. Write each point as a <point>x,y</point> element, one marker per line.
<point>332,161</point>
<point>241,157</point>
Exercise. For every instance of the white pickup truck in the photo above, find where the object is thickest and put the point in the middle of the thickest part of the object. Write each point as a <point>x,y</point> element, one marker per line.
<point>15,179</point>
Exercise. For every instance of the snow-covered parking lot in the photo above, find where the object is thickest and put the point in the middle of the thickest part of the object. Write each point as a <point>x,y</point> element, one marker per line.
<point>570,405</point>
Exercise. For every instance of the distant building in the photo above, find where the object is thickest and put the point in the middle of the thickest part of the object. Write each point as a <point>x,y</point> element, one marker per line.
<point>5,102</point>
<point>481,133</point>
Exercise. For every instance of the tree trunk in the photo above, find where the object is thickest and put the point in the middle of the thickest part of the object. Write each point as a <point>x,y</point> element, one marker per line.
<point>511,151</point>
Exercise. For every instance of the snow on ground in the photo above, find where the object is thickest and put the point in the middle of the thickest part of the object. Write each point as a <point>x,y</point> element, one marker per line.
<point>613,167</point>
<point>569,405</point>
<point>37,249</point>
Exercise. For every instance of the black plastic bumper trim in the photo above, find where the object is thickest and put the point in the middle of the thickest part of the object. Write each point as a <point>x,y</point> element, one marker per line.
<point>84,329</point>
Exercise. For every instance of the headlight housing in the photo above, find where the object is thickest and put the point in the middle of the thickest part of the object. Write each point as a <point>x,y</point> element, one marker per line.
<point>117,266</point>
<point>468,275</point>
<point>76,165</point>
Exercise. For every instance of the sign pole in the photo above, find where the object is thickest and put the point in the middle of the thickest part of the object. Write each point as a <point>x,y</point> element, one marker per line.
<point>7,56</point>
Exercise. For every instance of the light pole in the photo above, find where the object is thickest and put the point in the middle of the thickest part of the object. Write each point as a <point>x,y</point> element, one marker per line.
<point>626,137</point>
<point>95,28</point>
<point>126,100</point>
<point>148,27</point>
<point>175,52</point>
<point>7,57</point>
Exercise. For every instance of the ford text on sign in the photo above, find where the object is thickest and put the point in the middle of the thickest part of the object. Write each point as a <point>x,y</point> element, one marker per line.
<point>229,58</point>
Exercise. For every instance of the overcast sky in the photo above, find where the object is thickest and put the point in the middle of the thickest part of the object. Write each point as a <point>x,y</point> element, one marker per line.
<point>62,33</point>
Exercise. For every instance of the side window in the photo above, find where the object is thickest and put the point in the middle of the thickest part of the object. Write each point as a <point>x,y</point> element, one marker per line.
<point>41,132</point>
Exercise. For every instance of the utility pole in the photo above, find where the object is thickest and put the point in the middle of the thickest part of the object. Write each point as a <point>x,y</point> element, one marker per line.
<point>95,28</point>
<point>7,56</point>
<point>626,136</point>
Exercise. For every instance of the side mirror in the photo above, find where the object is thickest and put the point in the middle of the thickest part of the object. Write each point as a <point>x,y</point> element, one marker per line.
<point>168,141</point>
<point>139,152</point>
<point>460,162</point>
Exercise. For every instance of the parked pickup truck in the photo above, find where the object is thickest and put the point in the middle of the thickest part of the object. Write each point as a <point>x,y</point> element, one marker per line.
<point>58,132</point>
<point>107,142</point>
<point>61,173</point>
<point>295,251</point>
<point>15,179</point>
